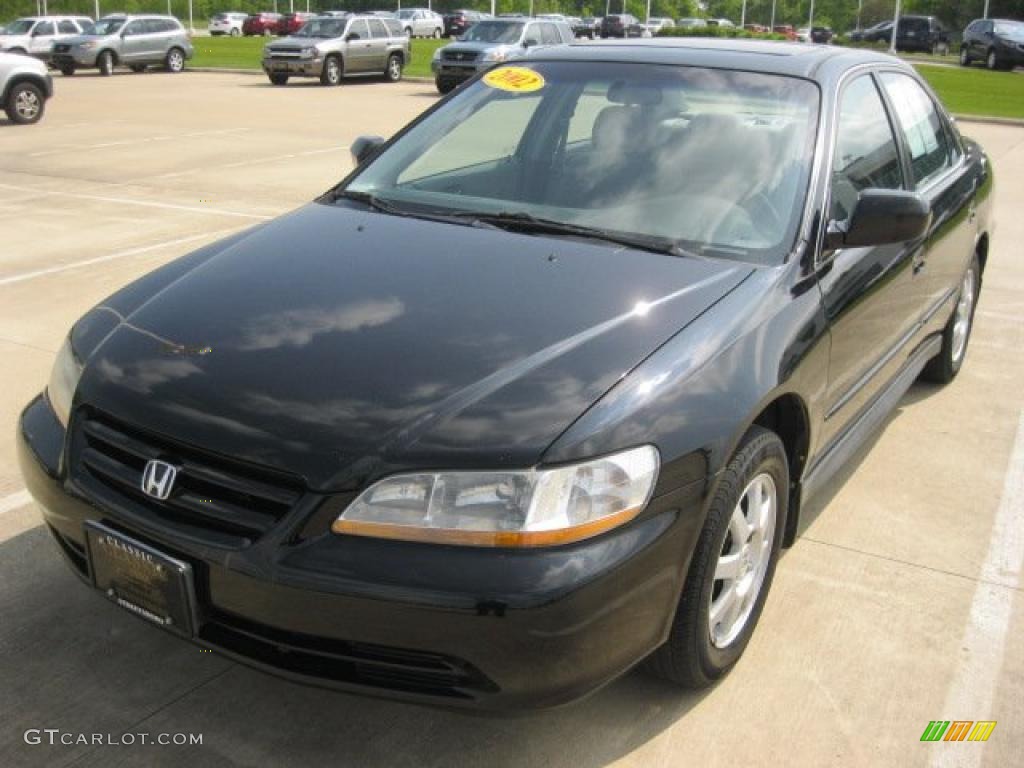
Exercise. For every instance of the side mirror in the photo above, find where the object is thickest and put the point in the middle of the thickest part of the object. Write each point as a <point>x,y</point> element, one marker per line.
<point>880,217</point>
<point>351,36</point>
<point>364,148</point>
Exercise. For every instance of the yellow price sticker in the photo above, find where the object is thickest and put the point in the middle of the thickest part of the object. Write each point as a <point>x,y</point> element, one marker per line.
<point>514,79</point>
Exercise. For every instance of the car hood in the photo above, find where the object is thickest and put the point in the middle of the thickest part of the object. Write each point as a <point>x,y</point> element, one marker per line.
<point>477,47</point>
<point>339,344</point>
<point>298,42</point>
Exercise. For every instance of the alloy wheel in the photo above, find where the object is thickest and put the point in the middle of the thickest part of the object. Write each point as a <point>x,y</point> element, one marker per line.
<point>27,105</point>
<point>175,61</point>
<point>964,316</point>
<point>743,561</point>
<point>394,68</point>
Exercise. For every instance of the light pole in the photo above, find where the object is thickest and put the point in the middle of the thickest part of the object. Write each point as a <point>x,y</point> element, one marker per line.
<point>860,6</point>
<point>771,27</point>
<point>743,14</point>
<point>810,21</point>
<point>985,14</point>
<point>96,5</point>
<point>648,19</point>
<point>895,26</point>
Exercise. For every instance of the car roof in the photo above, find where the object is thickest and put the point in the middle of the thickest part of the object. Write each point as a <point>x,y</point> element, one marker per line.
<point>784,58</point>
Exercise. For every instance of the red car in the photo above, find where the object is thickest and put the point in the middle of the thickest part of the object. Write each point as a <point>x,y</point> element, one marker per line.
<point>260,24</point>
<point>787,30</point>
<point>290,23</point>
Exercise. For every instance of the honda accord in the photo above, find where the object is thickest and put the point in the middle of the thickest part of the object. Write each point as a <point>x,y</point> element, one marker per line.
<point>538,392</point>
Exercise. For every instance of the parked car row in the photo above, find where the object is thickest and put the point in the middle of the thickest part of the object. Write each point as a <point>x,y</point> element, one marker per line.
<point>997,42</point>
<point>925,34</point>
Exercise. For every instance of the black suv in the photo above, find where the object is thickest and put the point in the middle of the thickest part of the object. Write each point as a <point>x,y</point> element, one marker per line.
<point>922,33</point>
<point>457,22</point>
<point>997,42</point>
<point>621,25</point>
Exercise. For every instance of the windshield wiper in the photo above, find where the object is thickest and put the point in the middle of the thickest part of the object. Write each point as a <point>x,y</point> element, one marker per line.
<point>520,221</point>
<point>460,218</point>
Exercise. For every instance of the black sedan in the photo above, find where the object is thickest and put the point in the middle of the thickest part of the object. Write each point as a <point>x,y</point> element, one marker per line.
<point>999,43</point>
<point>540,390</point>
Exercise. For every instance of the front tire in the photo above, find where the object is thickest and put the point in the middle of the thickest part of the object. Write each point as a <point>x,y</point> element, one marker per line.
<point>25,104</point>
<point>278,79</point>
<point>331,74</point>
<point>732,566</point>
<point>67,70</point>
<point>437,33</point>
<point>444,85</point>
<point>944,367</point>
<point>236,32</point>
<point>394,71</point>
<point>965,57</point>
<point>175,61</point>
<point>105,64</point>
<point>992,61</point>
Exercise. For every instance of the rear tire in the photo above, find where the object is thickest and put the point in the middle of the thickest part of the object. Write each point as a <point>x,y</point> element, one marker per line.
<point>67,70</point>
<point>105,63</point>
<point>175,61</point>
<point>394,71</point>
<point>25,104</point>
<point>408,32</point>
<point>332,71</point>
<point>236,32</point>
<point>278,79</point>
<point>965,57</point>
<point>732,566</point>
<point>444,85</point>
<point>944,367</point>
<point>437,33</point>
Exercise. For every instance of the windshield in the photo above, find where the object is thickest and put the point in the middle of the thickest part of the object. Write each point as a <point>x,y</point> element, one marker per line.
<point>1010,28</point>
<point>20,27</point>
<point>322,28</point>
<point>714,161</point>
<point>494,32</point>
<point>405,14</point>
<point>107,26</point>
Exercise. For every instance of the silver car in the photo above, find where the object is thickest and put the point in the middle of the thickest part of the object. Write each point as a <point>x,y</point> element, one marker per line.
<point>133,41</point>
<point>330,48</point>
<point>25,86</point>
<point>420,22</point>
<point>493,40</point>
<point>35,35</point>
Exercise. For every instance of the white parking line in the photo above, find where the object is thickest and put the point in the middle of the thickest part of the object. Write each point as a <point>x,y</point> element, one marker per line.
<point>143,203</point>
<point>112,256</point>
<point>14,501</point>
<point>128,142</point>
<point>972,694</point>
<point>247,163</point>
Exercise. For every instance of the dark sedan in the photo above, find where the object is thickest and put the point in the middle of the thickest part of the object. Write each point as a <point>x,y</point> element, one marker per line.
<point>457,22</point>
<point>999,43</point>
<point>536,393</point>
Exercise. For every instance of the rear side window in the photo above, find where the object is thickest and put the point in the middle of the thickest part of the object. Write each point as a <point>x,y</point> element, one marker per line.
<point>866,155</point>
<point>67,27</point>
<point>377,28</point>
<point>549,35</point>
<point>921,125</point>
<point>394,27</point>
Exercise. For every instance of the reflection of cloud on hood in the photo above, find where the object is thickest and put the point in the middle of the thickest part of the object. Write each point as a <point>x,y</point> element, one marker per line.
<point>145,374</point>
<point>298,327</point>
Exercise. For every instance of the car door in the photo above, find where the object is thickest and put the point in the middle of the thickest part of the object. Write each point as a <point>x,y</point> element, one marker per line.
<point>936,172</point>
<point>865,291</point>
<point>359,46</point>
<point>378,56</point>
<point>981,39</point>
<point>42,38</point>
<point>133,41</point>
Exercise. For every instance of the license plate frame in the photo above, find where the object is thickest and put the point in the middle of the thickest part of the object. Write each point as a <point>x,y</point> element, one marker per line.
<point>142,579</point>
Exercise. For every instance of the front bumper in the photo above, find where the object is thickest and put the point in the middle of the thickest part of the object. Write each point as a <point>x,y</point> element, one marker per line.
<point>455,626</point>
<point>294,67</point>
<point>458,71</point>
<point>75,57</point>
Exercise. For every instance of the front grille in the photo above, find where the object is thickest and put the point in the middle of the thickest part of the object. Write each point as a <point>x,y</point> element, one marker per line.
<point>210,493</point>
<point>353,663</point>
<point>285,53</point>
<point>459,55</point>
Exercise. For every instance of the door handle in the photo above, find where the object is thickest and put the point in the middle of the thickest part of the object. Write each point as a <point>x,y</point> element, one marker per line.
<point>919,265</point>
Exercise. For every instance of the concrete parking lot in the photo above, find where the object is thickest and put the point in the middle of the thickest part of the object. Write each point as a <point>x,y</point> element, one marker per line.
<point>900,605</point>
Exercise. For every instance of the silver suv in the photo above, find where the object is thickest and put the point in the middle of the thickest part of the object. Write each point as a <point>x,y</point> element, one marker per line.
<point>35,35</point>
<point>134,41</point>
<point>330,48</point>
<point>491,41</point>
<point>24,87</point>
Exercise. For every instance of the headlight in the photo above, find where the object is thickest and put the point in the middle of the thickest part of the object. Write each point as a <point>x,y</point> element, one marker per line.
<point>437,54</point>
<point>67,370</point>
<point>531,508</point>
<point>498,54</point>
<point>308,53</point>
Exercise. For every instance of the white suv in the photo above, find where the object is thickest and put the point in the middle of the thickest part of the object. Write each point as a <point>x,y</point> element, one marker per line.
<point>227,24</point>
<point>35,35</point>
<point>24,87</point>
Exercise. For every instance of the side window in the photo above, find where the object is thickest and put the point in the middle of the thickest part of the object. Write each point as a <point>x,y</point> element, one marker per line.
<point>866,155</point>
<point>154,26</point>
<point>67,27</point>
<point>135,28</point>
<point>921,125</point>
<point>377,28</point>
<point>43,29</point>
<point>394,27</point>
<point>358,27</point>
<point>549,34</point>
<point>532,34</point>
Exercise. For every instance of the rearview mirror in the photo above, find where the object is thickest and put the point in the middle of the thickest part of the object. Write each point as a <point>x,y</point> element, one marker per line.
<point>880,217</point>
<point>364,147</point>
